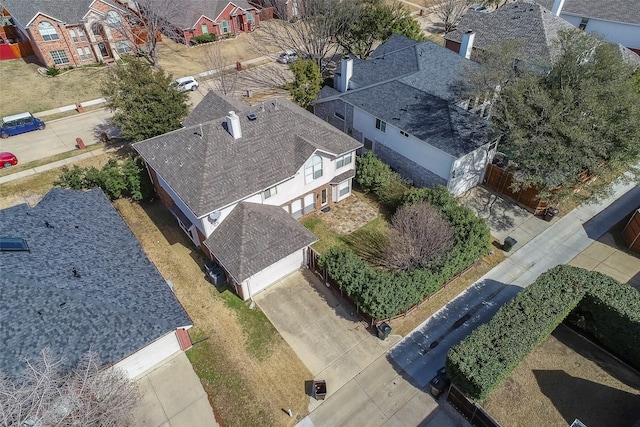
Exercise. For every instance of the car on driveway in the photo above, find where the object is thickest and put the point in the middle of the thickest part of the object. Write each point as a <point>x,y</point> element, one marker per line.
<point>479,8</point>
<point>19,123</point>
<point>287,57</point>
<point>186,83</point>
<point>7,159</point>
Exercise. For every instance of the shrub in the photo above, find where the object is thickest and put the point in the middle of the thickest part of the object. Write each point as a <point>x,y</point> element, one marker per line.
<point>371,172</point>
<point>52,71</point>
<point>205,38</point>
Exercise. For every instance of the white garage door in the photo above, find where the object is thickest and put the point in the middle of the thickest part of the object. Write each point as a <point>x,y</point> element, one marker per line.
<point>275,272</point>
<point>148,357</point>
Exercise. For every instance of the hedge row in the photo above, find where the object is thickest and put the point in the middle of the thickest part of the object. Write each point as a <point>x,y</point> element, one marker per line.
<point>604,307</point>
<point>385,294</point>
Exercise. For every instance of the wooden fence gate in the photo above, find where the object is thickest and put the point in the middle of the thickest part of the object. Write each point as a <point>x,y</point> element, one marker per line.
<point>500,180</point>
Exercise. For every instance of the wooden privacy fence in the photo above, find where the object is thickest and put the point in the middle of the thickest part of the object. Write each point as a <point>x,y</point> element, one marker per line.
<point>631,232</point>
<point>470,410</point>
<point>500,181</point>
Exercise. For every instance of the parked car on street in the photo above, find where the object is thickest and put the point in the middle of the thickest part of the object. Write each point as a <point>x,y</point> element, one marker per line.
<point>7,159</point>
<point>19,123</point>
<point>287,57</point>
<point>186,83</point>
<point>479,8</point>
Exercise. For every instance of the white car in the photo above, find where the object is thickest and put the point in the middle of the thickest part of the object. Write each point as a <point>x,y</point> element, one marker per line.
<point>287,57</point>
<point>186,83</point>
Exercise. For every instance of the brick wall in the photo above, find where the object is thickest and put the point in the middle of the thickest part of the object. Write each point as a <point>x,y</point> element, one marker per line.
<point>420,176</point>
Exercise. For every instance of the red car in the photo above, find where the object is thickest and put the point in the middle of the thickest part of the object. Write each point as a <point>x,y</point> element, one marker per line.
<point>7,159</point>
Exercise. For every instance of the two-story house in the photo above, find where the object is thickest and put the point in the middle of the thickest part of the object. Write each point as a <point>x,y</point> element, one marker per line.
<point>401,103</point>
<point>237,178</point>
<point>73,32</point>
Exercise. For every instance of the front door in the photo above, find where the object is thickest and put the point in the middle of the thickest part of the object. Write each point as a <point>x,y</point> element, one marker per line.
<point>240,23</point>
<point>323,197</point>
<point>103,50</point>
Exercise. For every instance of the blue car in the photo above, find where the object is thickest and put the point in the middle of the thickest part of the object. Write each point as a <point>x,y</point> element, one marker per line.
<point>19,123</point>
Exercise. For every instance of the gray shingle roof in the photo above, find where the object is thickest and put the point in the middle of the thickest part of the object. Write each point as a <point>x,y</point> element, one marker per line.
<point>255,236</point>
<point>427,117</point>
<point>67,11</point>
<point>119,304</point>
<point>529,24</point>
<point>215,170</point>
<point>185,15</point>
<point>627,11</point>
<point>213,106</point>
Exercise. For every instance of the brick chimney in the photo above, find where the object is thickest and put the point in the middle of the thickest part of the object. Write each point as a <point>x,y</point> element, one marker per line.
<point>466,46</point>
<point>557,7</point>
<point>233,125</point>
<point>346,71</point>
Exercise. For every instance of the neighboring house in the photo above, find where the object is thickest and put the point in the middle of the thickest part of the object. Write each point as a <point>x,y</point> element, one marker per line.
<point>73,32</point>
<point>223,18</point>
<point>282,9</point>
<point>237,178</point>
<point>529,25</point>
<point>617,21</point>
<point>401,104</point>
<point>74,278</point>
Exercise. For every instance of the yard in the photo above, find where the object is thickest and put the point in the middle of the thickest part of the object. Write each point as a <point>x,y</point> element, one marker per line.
<point>564,378</point>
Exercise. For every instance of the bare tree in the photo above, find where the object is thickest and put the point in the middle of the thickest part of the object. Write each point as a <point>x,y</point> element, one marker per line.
<point>449,11</point>
<point>47,394</point>
<point>224,75</point>
<point>418,235</point>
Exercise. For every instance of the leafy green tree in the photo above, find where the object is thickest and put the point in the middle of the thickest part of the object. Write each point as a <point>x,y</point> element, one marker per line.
<point>580,118</point>
<point>144,102</point>
<point>307,82</point>
<point>371,172</point>
<point>407,26</point>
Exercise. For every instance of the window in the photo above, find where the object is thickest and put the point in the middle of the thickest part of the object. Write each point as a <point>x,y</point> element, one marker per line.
<point>59,57</point>
<point>368,144</point>
<point>81,54</point>
<point>492,146</point>
<point>113,19</point>
<point>73,36</point>
<point>343,189</point>
<point>294,8</point>
<point>296,208</point>
<point>269,192</point>
<point>338,115</point>
<point>309,203</point>
<point>583,23</point>
<point>13,244</point>
<point>381,126</point>
<point>343,160</point>
<point>87,52</point>
<point>96,29</point>
<point>313,169</point>
<point>250,19</point>
<point>225,26</point>
<point>123,47</point>
<point>47,31</point>
<point>81,35</point>
<point>205,29</point>
<point>405,134</point>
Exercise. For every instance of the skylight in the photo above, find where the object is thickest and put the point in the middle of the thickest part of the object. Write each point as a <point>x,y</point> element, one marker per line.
<point>13,244</point>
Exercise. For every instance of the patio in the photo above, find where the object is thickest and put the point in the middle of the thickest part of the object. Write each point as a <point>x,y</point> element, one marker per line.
<point>350,214</point>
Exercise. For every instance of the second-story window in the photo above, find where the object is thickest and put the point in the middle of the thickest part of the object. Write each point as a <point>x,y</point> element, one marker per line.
<point>47,31</point>
<point>343,160</point>
<point>313,169</point>
<point>381,126</point>
<point>96,29</point>
<point>81,35</point>
<point>73,36</point>
<point>113,19</point>
<point>269,192</point>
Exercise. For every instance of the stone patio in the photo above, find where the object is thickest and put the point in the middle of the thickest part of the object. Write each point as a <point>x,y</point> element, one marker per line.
<point>350,214</point>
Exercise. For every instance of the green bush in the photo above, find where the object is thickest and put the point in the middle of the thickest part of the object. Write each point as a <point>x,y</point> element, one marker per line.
<point>205,38</point>
<point>607,309</point>
<point>371,172</point>
<point>384,294</point>
<point>126,179</point>
<point>52,71</point>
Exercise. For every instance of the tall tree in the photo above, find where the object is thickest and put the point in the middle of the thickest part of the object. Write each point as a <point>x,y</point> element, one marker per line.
<point>579,119</point>
<point>48,394</point>
<point>449,11</point>
<point>144,102</point>
<point>307,83</point>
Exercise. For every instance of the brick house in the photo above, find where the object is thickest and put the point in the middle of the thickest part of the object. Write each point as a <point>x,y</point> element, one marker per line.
<point>223,18</point>
<point>238,177</point>
<point>73,32</point>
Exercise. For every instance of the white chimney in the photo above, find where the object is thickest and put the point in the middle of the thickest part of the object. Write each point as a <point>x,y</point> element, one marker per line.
<point>346,71</point>
<point>467,44</point>
<point>233,125</point>
<point>557,7</point>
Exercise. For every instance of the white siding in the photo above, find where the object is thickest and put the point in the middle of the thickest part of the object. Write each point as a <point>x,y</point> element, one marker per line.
<point>616,32</point>
<point>147,358</point>
<point>273,273</point>
<point>427,156</point>
<point>470,170</point>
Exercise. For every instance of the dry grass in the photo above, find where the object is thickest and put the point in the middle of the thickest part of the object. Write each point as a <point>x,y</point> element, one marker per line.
<point>564,378</point>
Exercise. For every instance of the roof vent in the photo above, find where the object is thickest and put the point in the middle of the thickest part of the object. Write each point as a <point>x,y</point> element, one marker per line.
<point>75,272</point>
<point>252,116</point>
<point>48,224</point>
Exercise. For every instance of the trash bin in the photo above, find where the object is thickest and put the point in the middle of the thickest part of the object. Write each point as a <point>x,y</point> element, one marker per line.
<point>319,389</point>
<point>549,213</point>
<point>384,330</point>
<point>509,243</point>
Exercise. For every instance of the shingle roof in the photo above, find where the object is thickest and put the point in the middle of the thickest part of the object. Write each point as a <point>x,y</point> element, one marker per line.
<point>429,118</point>
<point>214,170</point>
<point>213,106</point>
<point>67,11</point>
<point>119,304</point>
<point>529,24</point>
<point>627,11</point>
<point>186,14</point>
<point>255,236</point>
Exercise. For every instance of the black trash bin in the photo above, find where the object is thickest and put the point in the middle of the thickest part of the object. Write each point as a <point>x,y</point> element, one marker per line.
<point>549,213</point>
<point>384,330</point>
<point>509,243</point>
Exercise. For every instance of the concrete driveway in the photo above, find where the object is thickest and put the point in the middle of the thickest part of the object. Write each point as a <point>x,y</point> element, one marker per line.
<point>172,396</point>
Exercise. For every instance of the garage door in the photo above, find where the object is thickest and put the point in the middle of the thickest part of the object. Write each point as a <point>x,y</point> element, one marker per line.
<point>275,272</point>
<point>150,356</point>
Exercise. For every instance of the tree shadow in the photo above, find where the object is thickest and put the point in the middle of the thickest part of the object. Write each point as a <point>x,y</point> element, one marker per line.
<point>501,214</point>
<point>594,404</point>
<point>612,214</point>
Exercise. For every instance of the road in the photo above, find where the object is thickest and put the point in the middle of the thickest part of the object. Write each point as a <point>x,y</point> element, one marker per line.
<point>424,350</point>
